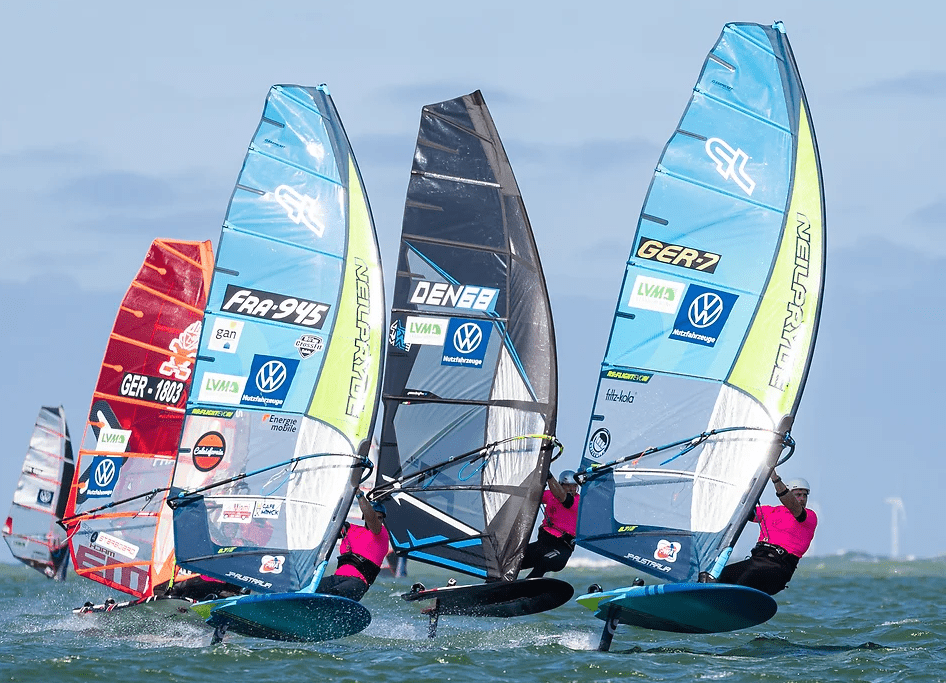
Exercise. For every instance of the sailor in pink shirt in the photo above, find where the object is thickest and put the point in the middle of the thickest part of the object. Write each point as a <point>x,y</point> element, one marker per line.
<point>556,541</point>
<point>785,534</point>
<point>360,556</point>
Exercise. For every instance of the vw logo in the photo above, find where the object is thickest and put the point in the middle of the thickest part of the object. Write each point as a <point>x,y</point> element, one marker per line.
<point>271,376</point>
<point>467,337</point>
<point>45,497</point>
<point>104,473</point>
<point>705,310</point>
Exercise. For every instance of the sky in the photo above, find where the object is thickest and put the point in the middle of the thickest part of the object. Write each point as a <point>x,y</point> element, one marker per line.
<point>122,122</point>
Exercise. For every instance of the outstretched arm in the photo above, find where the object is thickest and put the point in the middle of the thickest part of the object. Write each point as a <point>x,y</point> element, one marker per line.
<point>786,498</point>
<point>372,518</point>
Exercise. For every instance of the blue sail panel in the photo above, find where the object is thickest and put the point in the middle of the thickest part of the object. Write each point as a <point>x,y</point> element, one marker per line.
<point>689,415</point>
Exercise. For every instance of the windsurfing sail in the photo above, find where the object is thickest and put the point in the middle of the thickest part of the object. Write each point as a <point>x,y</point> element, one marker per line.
<point>716,322</point>
<point>288,373</point>
<point>32,529</point>
<point>470,391</point>
<point>119,527</point>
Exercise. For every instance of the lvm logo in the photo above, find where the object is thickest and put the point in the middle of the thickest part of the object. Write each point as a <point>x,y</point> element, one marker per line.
<point>219,388</point>
<point>423,330</point>
<point>654,294</point>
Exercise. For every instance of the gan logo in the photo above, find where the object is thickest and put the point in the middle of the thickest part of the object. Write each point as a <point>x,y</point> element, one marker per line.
<point>44,497</point>
<point>256,303</point>
<point>104,476</point>
<point>654,294</point>
<point>423,330</point>
<point>308,344</point>
<point>445,295</point>
<point>184,348</point>
<point>300,208</point>
<point>209,451</point>
<point>218,388</point>
<point>225,335</point>
<point>677,255</point>
<point>397,336</point>
<point>730,163</point>
<point>702,315</point>
<point>667,550</point>
<point>599,442</point>
<point>271,564</point>
<point>466,342</point>
<point>271,379</point>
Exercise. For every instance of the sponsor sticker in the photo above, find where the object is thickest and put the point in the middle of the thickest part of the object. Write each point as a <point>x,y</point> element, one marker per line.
<point>104,476</point>
<point>281,423</point>
<point>308,344</point>
<point>209,450</point>
<point>466,343</point>
<point>256,303</point>
<point>269,381</point>
<point>212,412</point>
<point>271,564</point>
<point>225,335</point>
<point>267,509</point>
<point>654,294</point>
<point>44,497</point>
<point>618,396</point>
<point>236,511</point>
<point>627,375</point>
<point>113,440</point>
<point>677,255</point>
<point>702,315</point>
<point>422,330</point>
<point>219,388</point>
<point>185,344</point>
<point>115,544</point>
<point>397,336</point>
<point>667,550</point>
<point>599,442</point>
<point>446,295</point>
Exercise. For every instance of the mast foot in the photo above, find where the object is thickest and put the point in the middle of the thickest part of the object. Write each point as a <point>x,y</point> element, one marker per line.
<point>610,626</point>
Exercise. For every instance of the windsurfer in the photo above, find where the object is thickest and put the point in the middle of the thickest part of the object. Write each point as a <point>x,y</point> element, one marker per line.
<point>363,550</point>
<point>785,534</point>
<point>556,539</point>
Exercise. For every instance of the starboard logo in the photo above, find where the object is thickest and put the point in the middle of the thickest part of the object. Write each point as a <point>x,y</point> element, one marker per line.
<point>445,295</point>
<point>730,163</point>
<point>300,208</point>
<point>654,294</point>
<point>209,451</point>
<point>598,443</point>
<point>255,303</point>
<point>308,344</point>
<point>271,564</point>
<point>677,255</point>
<point>225,335</point>
<point>184,350</point>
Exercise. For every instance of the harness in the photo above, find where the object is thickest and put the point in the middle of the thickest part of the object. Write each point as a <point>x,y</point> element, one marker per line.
<point>368,569</point>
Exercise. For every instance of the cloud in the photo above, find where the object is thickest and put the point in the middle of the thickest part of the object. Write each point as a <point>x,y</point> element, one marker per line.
<point>117,190</point>
<point>933,215</point>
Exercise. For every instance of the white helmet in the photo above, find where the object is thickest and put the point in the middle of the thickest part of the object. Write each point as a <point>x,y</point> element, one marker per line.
<point>567,477</point>
<point>799,484</point>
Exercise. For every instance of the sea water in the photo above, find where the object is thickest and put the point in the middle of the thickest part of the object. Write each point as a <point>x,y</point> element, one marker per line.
<point>844,618</point>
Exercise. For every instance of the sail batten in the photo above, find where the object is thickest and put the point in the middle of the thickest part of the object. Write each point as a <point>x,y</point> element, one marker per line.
<point>713,332</point>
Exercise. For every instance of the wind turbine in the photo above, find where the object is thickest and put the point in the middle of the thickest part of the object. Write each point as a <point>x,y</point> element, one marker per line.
<point>896,514</point>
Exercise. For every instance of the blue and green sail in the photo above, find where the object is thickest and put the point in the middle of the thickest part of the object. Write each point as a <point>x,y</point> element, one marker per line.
<point>715,327</point>
<point>287,378</point>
